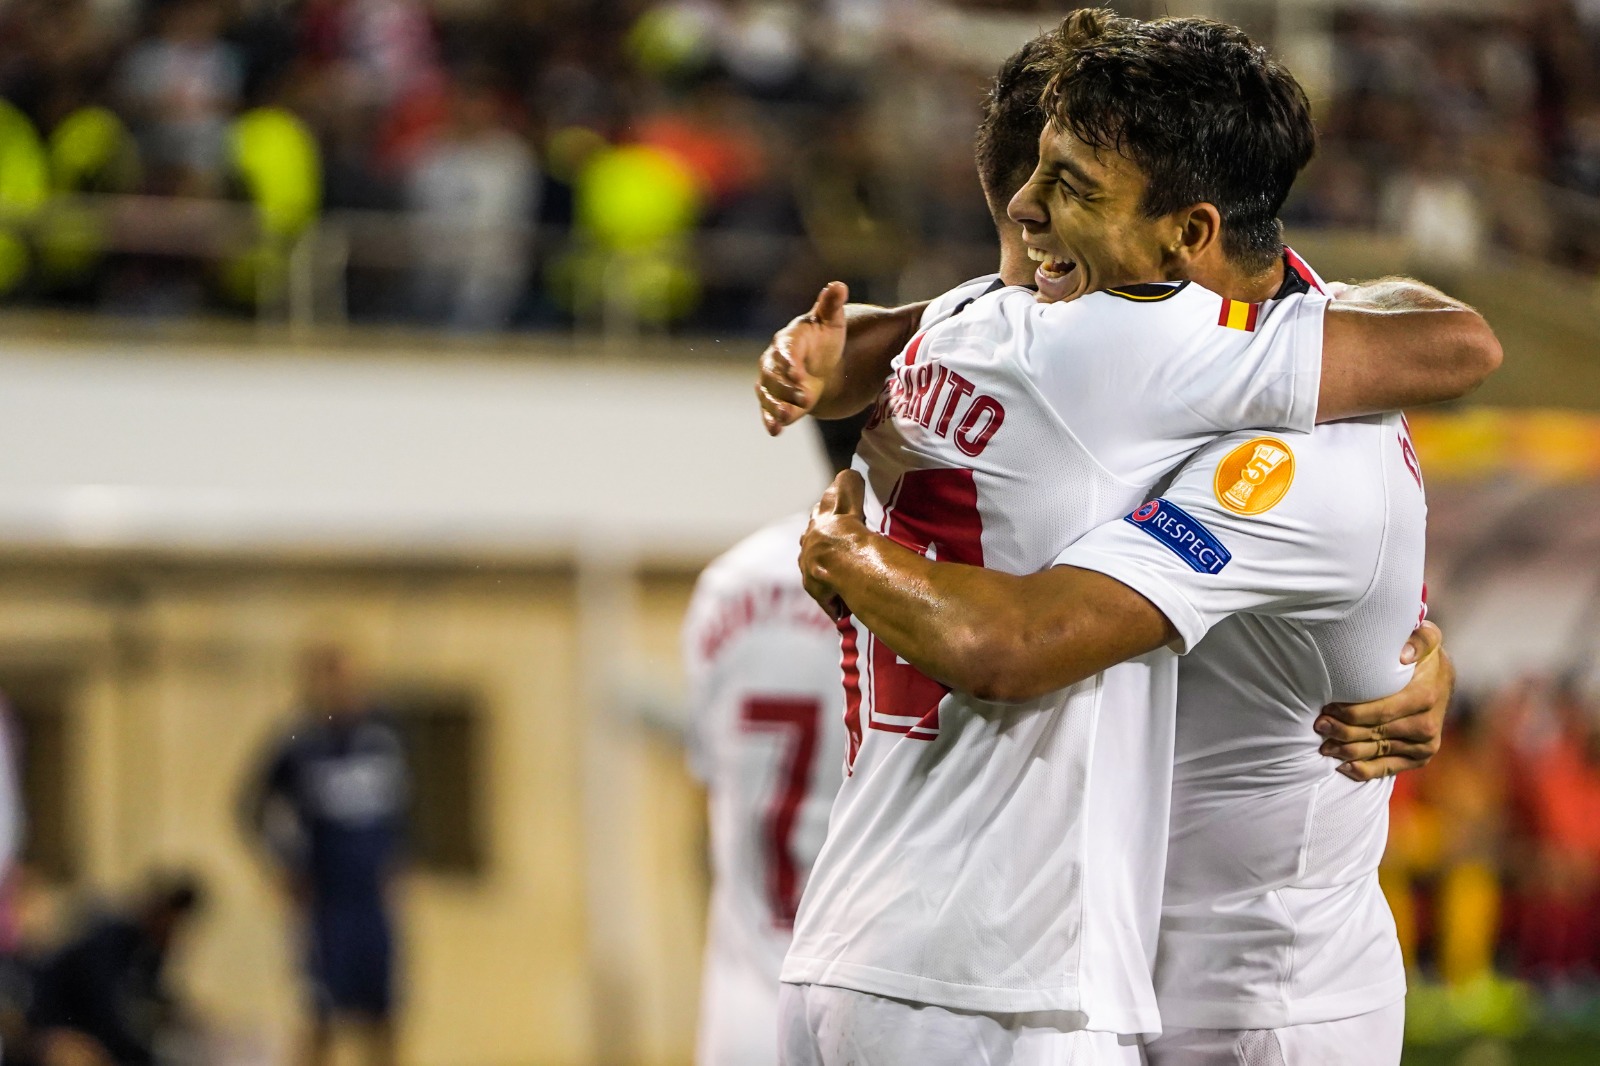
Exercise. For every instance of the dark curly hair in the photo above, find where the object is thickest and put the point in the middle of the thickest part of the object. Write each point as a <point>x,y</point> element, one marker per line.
<point>1199,107</point>
<point>1007,147</point>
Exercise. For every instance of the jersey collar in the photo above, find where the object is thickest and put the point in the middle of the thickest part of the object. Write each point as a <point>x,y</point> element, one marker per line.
<point>1294,279</point>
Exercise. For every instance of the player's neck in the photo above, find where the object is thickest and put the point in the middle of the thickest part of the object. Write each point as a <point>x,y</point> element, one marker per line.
<point>1226,279</point>
<point>1015,266</point>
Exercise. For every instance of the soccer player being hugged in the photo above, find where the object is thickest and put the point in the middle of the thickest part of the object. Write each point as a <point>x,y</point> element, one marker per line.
<point>991,887</point>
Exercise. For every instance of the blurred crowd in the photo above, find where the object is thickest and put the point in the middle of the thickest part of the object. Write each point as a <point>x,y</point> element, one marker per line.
<point>486,164</point>
<point>690,161</point>
<point>1493,864</point>
<point>1466,135</point>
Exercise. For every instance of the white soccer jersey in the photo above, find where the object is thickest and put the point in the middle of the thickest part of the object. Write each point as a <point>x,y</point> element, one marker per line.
<point>1009,858</point>
<point>1298,559</point>
<point>767,738</point>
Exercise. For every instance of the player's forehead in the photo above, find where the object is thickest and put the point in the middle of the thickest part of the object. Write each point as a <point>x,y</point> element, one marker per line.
<point>1062,152</point>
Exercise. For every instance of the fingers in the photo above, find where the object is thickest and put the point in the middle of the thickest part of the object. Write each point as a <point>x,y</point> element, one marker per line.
<point>776,415</point>
<point>1418,752</point>
<point>848,493</point>
<point>1363,716</point>
<point>818,589</point>
<point>1426,690</point>
<point>827,504</point>
<point>782,401</point>
<point>825,598</point>
<point>1340,732</point>
<point>1374,769</point>
<point>1422,726</point>
<point>829,308</point>
<point>1424,641</point>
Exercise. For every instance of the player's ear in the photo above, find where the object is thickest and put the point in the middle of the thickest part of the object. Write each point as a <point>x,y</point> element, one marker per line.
<point>1198,227</point>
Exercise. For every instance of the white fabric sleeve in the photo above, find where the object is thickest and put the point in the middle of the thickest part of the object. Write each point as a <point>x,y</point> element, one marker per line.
<point>697,670</point>
<point>1141,385</point>
<point>1267,378</point>
<point>1311,556</point>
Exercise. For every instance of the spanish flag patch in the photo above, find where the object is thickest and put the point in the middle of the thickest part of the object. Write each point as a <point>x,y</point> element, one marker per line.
<point>1236,315</point>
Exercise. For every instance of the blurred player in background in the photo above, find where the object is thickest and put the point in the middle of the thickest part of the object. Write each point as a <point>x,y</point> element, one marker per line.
<point>990,886</point>
<point>329,806</point>
<point>102,999</point>
<point>766,736</point>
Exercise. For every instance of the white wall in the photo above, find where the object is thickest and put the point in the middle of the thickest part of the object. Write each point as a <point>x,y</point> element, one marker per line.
<point>131,448</point>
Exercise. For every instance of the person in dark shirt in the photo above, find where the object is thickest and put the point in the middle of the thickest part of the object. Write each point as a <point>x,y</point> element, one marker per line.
<point>102,997</point>
<point>329,805</point>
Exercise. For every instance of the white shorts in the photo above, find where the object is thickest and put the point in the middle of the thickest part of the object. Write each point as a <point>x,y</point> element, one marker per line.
<point>819,1025</point>
<point>1371,1039</point>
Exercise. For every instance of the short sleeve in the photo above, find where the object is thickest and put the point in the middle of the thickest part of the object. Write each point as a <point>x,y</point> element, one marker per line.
<point>1141,386</point>
<point>1265,377</point>
<point>1242,530</point>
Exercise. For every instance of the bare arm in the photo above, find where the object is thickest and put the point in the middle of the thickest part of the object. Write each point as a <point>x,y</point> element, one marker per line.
<point>997,636</point>
<point>1007,638</point>
<point>832,361</point>
<point>1398,343</point>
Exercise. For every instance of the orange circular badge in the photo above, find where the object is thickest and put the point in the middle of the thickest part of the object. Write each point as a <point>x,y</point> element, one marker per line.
<point>1254,476</point>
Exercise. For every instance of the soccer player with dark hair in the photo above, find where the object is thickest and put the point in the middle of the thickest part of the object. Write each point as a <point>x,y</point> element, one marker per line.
<point>990,889</point>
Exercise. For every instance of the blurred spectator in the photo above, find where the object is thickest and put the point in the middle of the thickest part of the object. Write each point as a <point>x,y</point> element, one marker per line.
<point>51,48</point>
<point>381,49</point>
<point>179,87</point>
<point>635,207</point>
<point>474,191</point>
<point>1433,207</point>
<point>1446,837</point>
<point>1558,933</point>
<point>329,806</point>
<point>103,999</point>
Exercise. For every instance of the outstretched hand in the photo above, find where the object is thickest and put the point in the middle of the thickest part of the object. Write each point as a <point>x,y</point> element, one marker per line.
<point>1399,732</point>
<point>795,366</point>
<point>837,521</point>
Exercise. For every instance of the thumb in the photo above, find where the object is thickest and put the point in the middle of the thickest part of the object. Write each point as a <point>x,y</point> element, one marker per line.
<point>829,308</point>
<point>1423,642</point>
<point>849,493</point>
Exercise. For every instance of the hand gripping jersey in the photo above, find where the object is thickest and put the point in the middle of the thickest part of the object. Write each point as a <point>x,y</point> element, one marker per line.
<point>767,738</point>
<point>1298,560</point>
<point>1009,858</point>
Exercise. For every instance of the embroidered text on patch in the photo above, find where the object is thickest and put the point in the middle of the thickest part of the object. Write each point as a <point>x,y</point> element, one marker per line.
<point>1180,531</point>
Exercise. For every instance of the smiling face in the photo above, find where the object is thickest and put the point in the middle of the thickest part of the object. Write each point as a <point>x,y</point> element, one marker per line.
<point>1082,213</point>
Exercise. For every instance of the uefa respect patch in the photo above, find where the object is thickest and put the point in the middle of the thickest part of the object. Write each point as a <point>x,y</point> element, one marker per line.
<point>1184,534</point>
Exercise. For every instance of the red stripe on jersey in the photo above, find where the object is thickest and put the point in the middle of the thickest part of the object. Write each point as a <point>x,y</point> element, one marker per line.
<point>1300,268</point>
<point>935,509</point>
<point>850,662</point>
<point>1222,316</point>
<point>1250,319</point>
<point>911,349</point>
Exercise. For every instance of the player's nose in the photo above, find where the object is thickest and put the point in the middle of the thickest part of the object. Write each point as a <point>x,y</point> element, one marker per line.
<point>1027,208</point>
